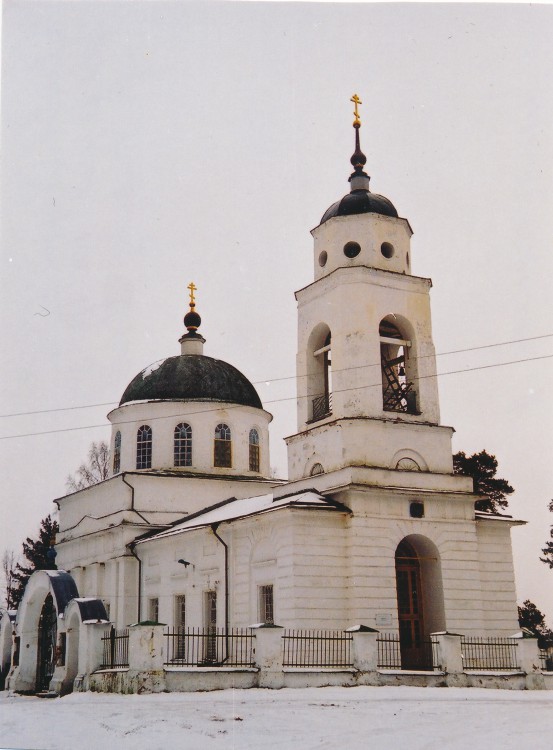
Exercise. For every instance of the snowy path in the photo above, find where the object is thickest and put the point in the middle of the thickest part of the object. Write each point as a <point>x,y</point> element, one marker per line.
<point>324,718</point>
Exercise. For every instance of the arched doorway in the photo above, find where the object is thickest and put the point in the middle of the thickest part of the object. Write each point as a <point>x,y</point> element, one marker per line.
<point>419,600</point>
<point>46,646</point>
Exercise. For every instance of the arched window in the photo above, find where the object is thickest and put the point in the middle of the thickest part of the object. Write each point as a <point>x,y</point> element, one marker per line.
<point>183,445</point>
<point>397,385</point>
<point>254,450</point>
<point>222,449</point>
<point>144,447</point>
<point>117,453</point>
<point>322,403</point>
<point>317,469</point>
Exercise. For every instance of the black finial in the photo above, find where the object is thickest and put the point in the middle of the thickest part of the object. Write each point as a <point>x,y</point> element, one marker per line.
<point>358,159</point>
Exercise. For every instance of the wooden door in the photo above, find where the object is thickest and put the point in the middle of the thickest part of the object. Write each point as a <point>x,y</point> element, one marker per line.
<point>415,653</point>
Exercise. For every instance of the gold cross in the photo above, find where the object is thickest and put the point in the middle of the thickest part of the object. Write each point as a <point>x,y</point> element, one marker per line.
<point>356,100</point>
<point>193,288</point>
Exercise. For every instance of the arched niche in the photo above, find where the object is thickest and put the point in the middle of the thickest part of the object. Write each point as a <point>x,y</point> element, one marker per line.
<point>408,460</point>
<point>420,598</point>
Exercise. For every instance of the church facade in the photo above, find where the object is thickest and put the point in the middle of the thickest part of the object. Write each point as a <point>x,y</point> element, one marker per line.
<point>372,526</point>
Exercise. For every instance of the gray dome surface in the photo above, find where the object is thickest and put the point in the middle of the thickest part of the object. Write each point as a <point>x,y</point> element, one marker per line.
<point>360,202</point>
<point>192,377</point>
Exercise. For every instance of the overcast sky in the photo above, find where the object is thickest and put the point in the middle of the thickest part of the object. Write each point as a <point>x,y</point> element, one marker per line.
<point>146,145</point>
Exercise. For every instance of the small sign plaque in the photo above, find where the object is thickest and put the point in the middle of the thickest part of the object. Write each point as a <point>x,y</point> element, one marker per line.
<point>384,620</point>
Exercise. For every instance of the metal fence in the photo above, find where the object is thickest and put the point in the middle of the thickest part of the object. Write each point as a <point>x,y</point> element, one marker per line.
<point>317,648</point>
<point>115,648</point>
<point>209,647</point>
<point>422,656</point>
<point>492,654</point>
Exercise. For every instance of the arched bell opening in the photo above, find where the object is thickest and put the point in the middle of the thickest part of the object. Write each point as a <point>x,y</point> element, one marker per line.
<point>398,366</point>
<point>319,373</point>
<point>420,600</point>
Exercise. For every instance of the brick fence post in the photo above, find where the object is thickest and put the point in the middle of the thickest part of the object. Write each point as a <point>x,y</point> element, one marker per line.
<point>268,654</point>
<point>450,659</point>
<point>146,647</point>
<point>365,648</point>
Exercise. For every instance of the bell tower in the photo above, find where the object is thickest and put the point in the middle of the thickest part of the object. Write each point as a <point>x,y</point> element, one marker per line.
<point>366,371</point>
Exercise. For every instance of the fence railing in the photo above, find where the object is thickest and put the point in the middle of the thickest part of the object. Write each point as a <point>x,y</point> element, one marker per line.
<point>321,407</point>
<point>392,654</point>
<point>115,648</point>
<point>209,647</point>
<point>492,654</point>
<point>317,648</point>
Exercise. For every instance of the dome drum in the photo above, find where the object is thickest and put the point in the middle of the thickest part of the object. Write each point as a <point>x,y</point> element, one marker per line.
<point>164,417</point>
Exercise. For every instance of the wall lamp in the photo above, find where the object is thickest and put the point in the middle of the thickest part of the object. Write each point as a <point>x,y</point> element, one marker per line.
<point>185,563</point>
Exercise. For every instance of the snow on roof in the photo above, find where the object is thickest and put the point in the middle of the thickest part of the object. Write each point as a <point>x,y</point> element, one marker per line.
<point>249,506</point>
<point>152,368</point>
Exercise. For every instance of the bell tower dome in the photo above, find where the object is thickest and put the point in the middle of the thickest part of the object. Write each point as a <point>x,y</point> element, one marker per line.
<point>366,369</point>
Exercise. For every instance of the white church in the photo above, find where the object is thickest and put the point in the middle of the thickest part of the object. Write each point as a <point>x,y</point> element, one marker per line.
<point>372,526</point>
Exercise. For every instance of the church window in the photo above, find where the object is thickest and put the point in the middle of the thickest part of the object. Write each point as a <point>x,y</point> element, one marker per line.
<point>352,249</point>
<point>254,450</point>
<point>144,447</point>
<point>153,609</point>
<point>117,453</point>
<point>317,469</point>
<point>266,609</point>
<point>323,257</point>
<point>210,615</point>
<point>222,450</point>
<point>397,385</point>
<point>322,404</point>
<point>183,445</point>
<point>180,611</point>
<point>387,250</point>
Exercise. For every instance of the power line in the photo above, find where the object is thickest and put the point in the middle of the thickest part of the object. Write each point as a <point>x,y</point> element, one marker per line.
<point>293,377</point>
<point>275,401</point>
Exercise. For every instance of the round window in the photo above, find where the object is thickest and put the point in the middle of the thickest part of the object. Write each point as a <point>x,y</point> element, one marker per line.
<point>387,250</point>
<point>352,249</point>
<point>323,257</point>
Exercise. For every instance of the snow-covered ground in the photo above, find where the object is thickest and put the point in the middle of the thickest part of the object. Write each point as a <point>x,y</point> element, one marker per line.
<point>385,718</point>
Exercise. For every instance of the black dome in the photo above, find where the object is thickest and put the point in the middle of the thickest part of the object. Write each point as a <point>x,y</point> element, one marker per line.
<point>192,377</point>
<point>360,202</point>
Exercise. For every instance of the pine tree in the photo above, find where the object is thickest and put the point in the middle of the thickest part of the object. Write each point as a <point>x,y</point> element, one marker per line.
<point>530,618</point>
<point>482,467</point>
<point>548,549</point>
<point>37,552</point>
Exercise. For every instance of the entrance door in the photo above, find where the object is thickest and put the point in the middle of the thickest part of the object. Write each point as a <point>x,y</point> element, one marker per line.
<point>46,651</point>
<point>415,653</point>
